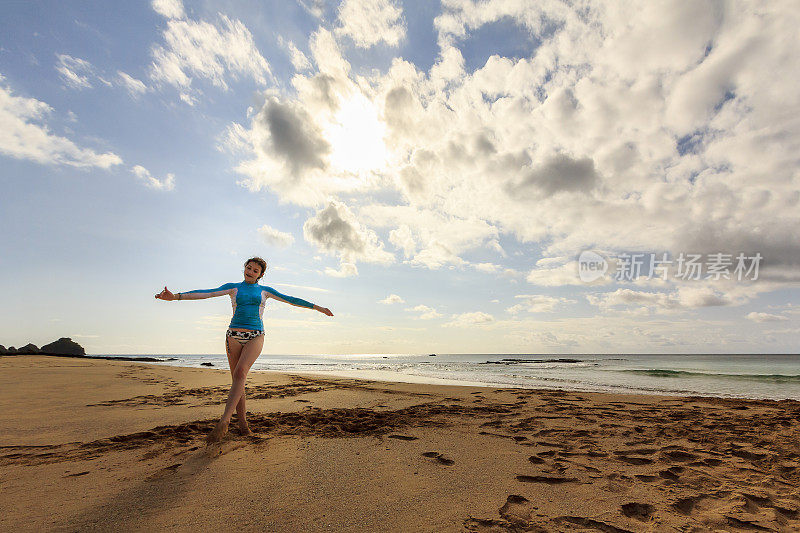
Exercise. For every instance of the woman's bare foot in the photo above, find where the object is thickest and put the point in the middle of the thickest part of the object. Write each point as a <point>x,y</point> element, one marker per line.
<point>217,433</point>
<point>244,430</point>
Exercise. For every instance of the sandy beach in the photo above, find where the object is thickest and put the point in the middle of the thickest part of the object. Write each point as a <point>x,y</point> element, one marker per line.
<point>97,445</point>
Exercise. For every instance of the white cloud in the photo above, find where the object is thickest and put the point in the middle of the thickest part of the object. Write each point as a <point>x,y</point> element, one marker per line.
<point>135,88</point>
<point>346,270</point>
<point>80,74</point>
<point>392,299</point>
<point>75,72</point>
<point>299,60</point>
<point>464,320</point>
<point>166,184</point>
<point>171,9</point>
<point>24,135</point>
<point>275,237</point>
<point>428,237</point>
<point>661,129</point>
<point>304,287</point>
<point>235,139</point>
<point>217,52</point>
<point>564,274</point>
<point>188,99</point>
<point>313,7</point>
<point>425,312</point>
<point>494,244</point>
<point>486,267</point>
<point>683,297</point>
<point>628,297</point>
<point>369,22</point>
<point>538,303</point>
<point>403,239</point>
<point>546,339</point>
<point>766,317</point>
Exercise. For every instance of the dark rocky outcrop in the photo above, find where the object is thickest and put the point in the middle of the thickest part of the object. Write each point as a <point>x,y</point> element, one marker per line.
<point>28,349</point>
<point>66,347</point>
<point>206,364</point>
<point>63,346</point>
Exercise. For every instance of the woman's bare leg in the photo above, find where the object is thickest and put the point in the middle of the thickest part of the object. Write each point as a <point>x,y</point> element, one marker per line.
<point>234,349</point>
<point>248,356</point>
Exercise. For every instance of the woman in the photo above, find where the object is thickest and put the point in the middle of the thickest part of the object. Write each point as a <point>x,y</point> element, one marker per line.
<point>245,336</point>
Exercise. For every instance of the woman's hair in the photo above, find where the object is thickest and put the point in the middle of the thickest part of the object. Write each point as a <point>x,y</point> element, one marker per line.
<point>260,262</point>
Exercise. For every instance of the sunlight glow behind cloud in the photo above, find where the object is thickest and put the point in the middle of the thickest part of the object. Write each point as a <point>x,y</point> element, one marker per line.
<point>356,137</point>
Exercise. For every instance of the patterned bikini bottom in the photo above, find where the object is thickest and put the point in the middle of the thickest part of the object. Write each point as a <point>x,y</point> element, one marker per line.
<point>244,336</point>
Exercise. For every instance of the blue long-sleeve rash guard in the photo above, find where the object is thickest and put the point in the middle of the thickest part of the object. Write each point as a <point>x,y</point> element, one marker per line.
<point>248,301</point>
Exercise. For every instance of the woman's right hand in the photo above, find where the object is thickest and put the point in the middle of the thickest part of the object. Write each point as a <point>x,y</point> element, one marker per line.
<point>166,295</point>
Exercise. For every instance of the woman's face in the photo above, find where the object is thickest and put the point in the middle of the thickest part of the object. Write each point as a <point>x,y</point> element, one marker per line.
<point>252,271</point>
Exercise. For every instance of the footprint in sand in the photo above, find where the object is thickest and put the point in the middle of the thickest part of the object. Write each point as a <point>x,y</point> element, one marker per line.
<point>439,457</point>
<point>517,510</point>
<point>639,511</point>
<point>635,460</point>
<point>549,480</point>
<point>402,437</point>
<point>671,473</point>
<point>77,474</point>
<point>679,455</point>
<point>666,474</point>
<point>688,505</point>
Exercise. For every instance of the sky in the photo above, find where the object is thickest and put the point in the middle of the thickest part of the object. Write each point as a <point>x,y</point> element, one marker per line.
<point>445,176</point>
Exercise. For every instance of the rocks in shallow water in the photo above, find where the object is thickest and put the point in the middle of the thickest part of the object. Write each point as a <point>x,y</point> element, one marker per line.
<point>63,346</point>
<point>3,350</point>
<point>206,364</point>
<point>11,351</point>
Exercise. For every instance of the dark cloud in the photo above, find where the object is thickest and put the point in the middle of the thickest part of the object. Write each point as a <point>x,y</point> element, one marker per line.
<point>333,230</point>
<point>483,144</point>
<point>778,245</point>
<point>559,173</point>
<point>293,137</point>
<point>397,107</point>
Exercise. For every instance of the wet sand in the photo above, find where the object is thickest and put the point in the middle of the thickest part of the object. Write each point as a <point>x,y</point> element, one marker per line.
<point>94,445</point>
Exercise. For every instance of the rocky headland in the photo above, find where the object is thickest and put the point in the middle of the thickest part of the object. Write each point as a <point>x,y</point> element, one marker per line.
<point>66,347</point>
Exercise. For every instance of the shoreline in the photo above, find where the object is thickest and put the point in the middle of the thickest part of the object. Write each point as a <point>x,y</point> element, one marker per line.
<point>389,376</point>
<point>666,382</point>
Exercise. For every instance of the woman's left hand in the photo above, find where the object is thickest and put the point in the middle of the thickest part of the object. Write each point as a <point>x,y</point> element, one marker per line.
<point>324,310</point>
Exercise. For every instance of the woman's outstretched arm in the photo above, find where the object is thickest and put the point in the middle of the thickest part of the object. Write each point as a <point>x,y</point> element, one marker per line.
<point>299,302</point>
<point>199,294</point>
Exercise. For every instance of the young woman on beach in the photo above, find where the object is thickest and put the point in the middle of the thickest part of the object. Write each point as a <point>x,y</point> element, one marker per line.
<point>245,336</point>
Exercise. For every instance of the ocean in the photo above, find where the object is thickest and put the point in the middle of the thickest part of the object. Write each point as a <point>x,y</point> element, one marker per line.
<point>774,377</point>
